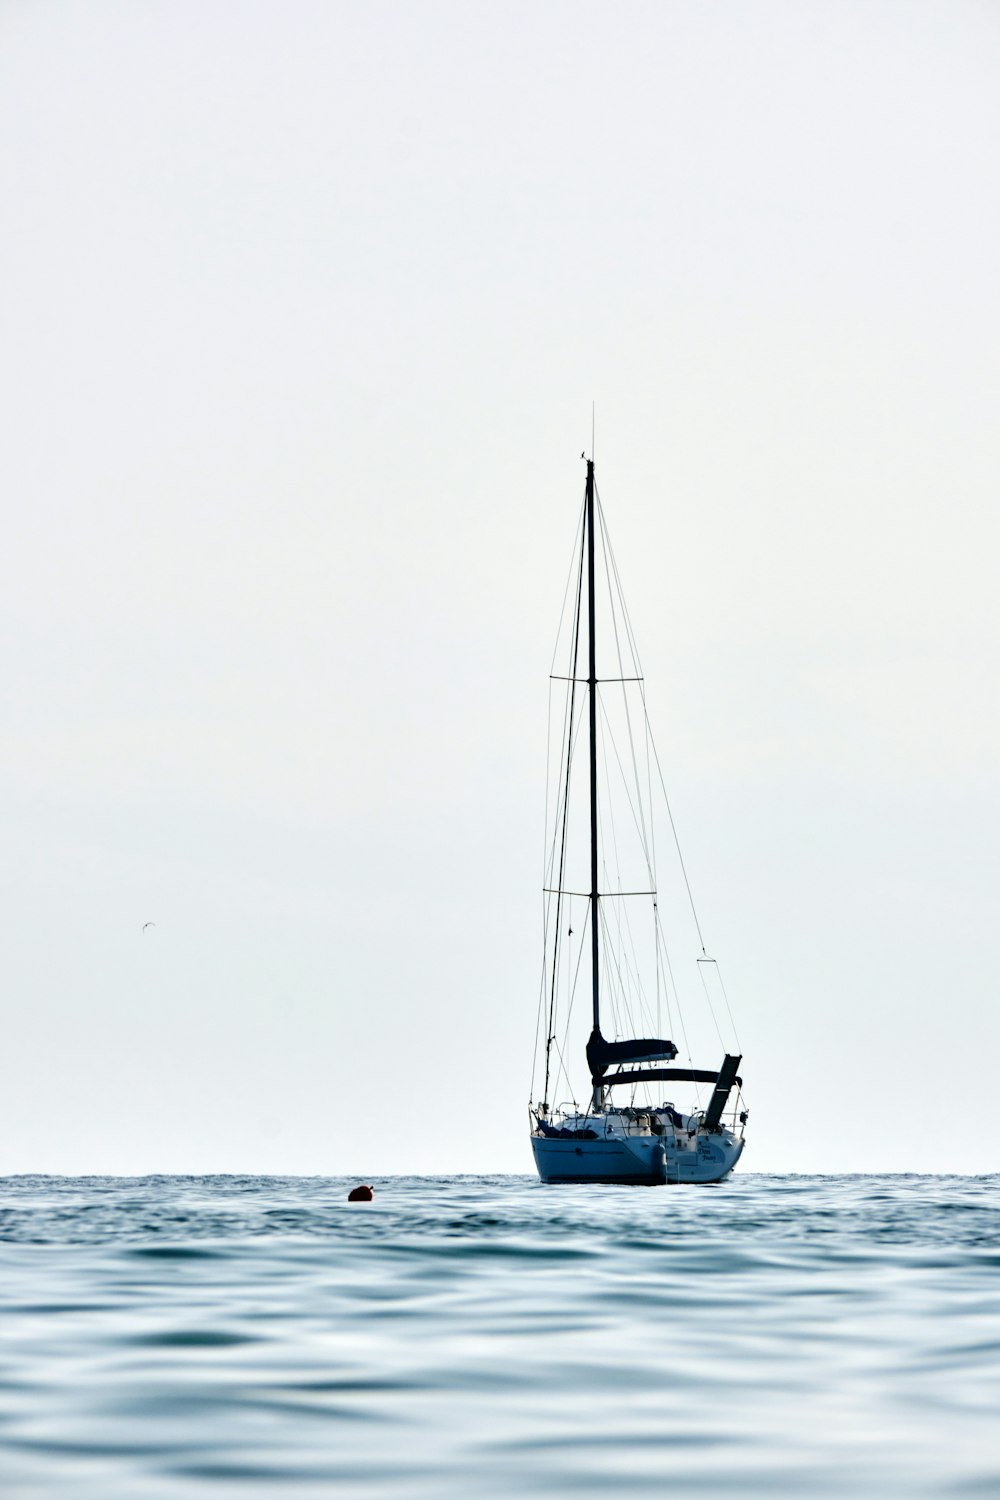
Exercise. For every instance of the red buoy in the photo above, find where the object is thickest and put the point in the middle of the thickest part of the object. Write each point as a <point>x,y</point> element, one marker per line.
<point>361,1194</point>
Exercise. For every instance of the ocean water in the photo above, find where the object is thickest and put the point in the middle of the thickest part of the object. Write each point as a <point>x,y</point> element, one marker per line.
<point>488,1336</point>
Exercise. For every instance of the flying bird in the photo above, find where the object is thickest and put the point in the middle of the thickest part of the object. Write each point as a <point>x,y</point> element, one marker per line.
<point>147,924</point>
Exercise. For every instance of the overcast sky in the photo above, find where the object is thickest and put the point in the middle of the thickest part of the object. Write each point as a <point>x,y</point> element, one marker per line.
<point>303,311</point>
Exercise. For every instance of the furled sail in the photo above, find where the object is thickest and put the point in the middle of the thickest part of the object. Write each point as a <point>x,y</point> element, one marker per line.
<point>602,1054</point>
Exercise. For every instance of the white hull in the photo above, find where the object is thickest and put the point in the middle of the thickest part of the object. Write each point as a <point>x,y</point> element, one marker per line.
<point>645,1160</point>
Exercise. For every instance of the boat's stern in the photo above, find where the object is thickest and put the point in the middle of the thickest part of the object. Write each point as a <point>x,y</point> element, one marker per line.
<point>642,1147</point>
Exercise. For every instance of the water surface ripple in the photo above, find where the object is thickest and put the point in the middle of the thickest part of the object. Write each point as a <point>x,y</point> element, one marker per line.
<point>488,1336</point>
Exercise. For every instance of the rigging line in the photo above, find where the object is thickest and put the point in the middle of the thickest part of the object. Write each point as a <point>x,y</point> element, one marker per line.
<point>563,1072</point>
<point>568,950</point>
<point>572,997</point>
<point>677,998</point>
<point>568,736</point>
<point>611,971</point>
<point>630,633</point>
<point>643,999</point>
<point>550,843</point>
<point>722,987</point>
<point>615,587</point>
<point>614,957</point>
<point>560,1071</point>
<point>574,737</point>
<point>642,691</point>
<point>546,922</point>
<point>605,545</point>
<point>602,802</point>
<point>637,999</point>
<point>553,677</point>
<point>637,1006</point>
<point>550,1036</point>
<point>711,1008</point>
<point>569,579</point>
<point>555,890</point>
<point>551,1017</point>
<point>636,987</point>
<point>546,874</point>
<point>652,850</point>
<point>606,933</point>
<point>677,842</point>
<point>666,994</point>
<point>661,954</point>
<point>541,1002</point>
<point>611,569</point>
<point>567,739</point>
<point>562,854</point>
<point>639,827</point>
<point>571,986</point>
<point>545,905</point>
<point>615,949</point>
<point>651,742</point>
<point>645,1015</point>
<point>548,783</point>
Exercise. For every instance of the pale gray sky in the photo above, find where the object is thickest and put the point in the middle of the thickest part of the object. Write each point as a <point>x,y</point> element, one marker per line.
<point>303,311</point>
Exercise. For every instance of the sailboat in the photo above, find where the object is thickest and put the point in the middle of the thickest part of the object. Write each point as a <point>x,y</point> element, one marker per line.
<point>627,1126</point>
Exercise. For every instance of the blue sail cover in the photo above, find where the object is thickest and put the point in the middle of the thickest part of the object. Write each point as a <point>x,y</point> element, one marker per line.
<point>602,1054</point>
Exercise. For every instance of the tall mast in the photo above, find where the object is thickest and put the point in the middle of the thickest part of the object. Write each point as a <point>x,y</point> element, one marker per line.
<point>592,679</point>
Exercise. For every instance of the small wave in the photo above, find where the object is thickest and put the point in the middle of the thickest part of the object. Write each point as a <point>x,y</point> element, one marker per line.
<point>491,1337</point>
